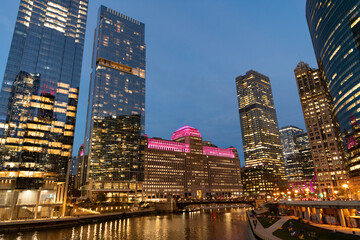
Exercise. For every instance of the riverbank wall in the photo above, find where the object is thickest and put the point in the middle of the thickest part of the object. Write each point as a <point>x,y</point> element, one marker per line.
<point>41,224</point>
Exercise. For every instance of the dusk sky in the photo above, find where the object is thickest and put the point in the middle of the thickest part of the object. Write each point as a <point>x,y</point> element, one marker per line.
<point>195,49</point>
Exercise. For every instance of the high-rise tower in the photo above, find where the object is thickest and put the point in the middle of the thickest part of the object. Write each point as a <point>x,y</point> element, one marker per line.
<point>38,104</point>
<point>116,111</point>
<point>287,134</point>
<point>326,149</point>
<point>260,132</point>
<point>335,32</point>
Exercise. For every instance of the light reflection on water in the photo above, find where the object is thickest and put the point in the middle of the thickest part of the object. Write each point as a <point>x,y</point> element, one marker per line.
<point>216,224</point>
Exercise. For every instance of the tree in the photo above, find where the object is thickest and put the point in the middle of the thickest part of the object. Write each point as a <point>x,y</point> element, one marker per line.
<point>100,197</point>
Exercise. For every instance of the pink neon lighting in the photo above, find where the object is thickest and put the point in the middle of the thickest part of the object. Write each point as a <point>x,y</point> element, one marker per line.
<point>219,152</point>
<point>300,186</point>
<point>185,131</point>
<point>311,187</point>
<point>351,142</point>
<point>168,145</point>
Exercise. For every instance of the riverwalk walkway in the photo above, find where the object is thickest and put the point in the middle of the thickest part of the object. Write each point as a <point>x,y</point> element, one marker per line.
<point>267,233</point>
<point>338,228</point>
<point>259,230</point>
<point>341,229</point>
<point>35,224</point>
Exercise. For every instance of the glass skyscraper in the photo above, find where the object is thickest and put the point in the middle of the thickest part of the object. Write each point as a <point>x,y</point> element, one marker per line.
<point>116,111</point>
<point>287,134</point>
<point>38,105</point>
<point>260,133</point>
<point>335,31</point>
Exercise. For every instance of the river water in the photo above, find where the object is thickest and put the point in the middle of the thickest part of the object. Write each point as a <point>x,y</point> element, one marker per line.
<point>217,224</point>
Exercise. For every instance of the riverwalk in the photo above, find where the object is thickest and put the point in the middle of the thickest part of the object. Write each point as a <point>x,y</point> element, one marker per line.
<point>37,224</point>
<point>259,230</point>
<point>346,230</point>
<point>267,233</point>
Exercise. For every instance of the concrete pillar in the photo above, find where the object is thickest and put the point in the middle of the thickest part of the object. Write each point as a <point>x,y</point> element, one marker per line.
<point>37,203</point>
<point>318,211</point>
<point>296,212</point>
<point>342,218</point>
<point>308,213</point>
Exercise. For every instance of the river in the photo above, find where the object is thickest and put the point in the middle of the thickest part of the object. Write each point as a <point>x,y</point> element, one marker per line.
<point>217,224</point>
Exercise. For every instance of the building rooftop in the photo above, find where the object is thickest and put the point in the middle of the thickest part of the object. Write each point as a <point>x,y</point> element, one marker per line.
<point>185,131</point>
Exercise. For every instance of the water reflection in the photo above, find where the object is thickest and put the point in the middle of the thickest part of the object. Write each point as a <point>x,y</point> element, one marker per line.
<point>205,225</point>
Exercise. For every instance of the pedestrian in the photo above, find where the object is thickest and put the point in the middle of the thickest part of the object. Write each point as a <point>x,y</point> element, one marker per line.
<point>353,232</point>
<point>255,224</point>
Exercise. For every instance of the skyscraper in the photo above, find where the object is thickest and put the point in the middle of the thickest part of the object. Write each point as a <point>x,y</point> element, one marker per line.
<point>287,134</point>
<point>38,105</point>
<point>335,32</point>
<point>326,149</point>
<point>260,132</point>
<point>300,167</point>
<point>116,110</point>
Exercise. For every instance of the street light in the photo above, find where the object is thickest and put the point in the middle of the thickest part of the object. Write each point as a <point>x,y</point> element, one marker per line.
<point>346,187</point>
<point>307,192</point>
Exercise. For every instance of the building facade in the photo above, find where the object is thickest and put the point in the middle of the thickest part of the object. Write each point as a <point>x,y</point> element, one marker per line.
<point>287,134</point>
<point>187,167</point>
<point>116,111</point>
<point>38,106</point>
<point>335,31</point>
<point>301,170</point>
<point>326,148</point>
<point>81,168</point>
<point>260,132</point>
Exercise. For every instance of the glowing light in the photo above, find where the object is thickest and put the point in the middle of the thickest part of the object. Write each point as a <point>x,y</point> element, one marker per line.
<point>219,152</point>
<point>168,145</point>
<point>185,131</point>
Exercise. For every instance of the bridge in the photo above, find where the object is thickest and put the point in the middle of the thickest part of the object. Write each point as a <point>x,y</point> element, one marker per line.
<point>182,205</point>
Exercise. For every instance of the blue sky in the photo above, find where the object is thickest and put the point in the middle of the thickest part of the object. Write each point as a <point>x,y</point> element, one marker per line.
<point>195,49</point>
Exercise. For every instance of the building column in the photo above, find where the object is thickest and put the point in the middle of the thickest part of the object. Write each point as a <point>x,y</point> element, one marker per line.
<point>342,218</point>
<point>61,197</point>
<point>13,204</point>
<point>57,193</point>
<point>37,204</point>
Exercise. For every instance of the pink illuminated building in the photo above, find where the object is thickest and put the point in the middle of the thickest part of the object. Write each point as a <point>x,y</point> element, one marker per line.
<point>187,166</point>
